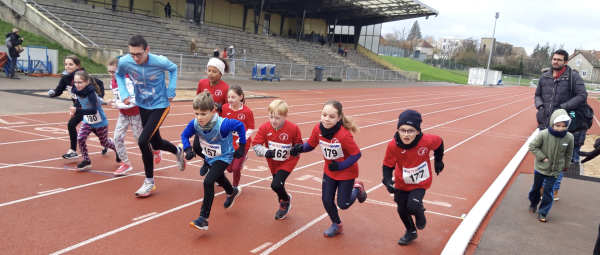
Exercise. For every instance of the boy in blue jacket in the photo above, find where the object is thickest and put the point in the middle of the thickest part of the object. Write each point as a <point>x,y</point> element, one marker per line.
<point>216,142</point>
<point>147,72</point>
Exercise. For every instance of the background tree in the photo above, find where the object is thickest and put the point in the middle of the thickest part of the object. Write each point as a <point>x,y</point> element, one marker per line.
<point>415,32</point>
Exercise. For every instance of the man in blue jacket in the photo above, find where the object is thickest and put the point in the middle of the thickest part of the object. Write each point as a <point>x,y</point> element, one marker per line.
<point>147,72</point>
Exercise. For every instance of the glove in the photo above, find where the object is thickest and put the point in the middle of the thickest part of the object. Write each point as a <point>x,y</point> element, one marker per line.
<point>51,93</point>
<point>566,168</point>
<point>541,106</point>
<point>189,153</point>
<point>240,151</point>
<point>297,149</point>
<point>334,166</point>
<point>114,105</point>
<point>439,166</point>
<point>597,143</point>
<point>389,185</point>
<point>219,107</point>
<point>270,154</point>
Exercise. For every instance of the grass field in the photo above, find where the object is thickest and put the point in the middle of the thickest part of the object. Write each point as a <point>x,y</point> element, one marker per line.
<point>428,73</point>
<point>36,40</point>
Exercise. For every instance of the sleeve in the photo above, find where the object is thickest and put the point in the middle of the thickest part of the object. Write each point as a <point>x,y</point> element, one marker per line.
<point>199,90</point>
<point>230,125</point>
<point>15,41</point>
<point>260,150</point>
<point>539,101</point>
<point>101,85</point>
<point>93,103</point>
<point>569,152</point>
<point>297,136</point>
<point>535,145</point>
<point>172,69</point>
<point>389,159</point>
<point>120,76</point>
<point>349,161</point>
<point>188,132</point>
<point>129,84</point>
<point>438,154</point>
<point>313,140</point>
<point>350,146</point>
<point>60,88</point>
<point>579,91</point>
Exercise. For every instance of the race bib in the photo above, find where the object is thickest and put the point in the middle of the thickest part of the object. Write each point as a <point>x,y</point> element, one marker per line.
<point>72,95</point>
<point>117,95</point>
<point>282,151</point>
<point>416,174</point>
<point>331,151</point>
<point>210,150</point>
<point>93,119</point>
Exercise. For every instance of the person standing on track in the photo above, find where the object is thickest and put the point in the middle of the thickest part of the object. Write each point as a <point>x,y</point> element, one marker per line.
<point>340,169</point>
<point>409,152</point>
<point>128,115</point>
<point>553,149</point>
<point>73,65</point>
<point>89,106</point>
<point>237,109</point>
<point>147,72</point>
<point>280,136</point>
<point>216,148</point>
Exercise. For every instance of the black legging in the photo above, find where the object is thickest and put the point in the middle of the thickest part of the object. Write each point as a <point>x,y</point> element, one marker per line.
<point>278,184</point>
<point>72,127</point>
<point>408,206</point>
<point>216,174</point>
<point>151,121</point>
<point>346,196</point>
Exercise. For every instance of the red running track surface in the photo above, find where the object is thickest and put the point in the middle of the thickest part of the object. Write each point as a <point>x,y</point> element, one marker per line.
<point>45,208</point>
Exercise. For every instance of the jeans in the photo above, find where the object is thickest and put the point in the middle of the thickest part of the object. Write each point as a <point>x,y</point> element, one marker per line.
<point>557,183</point>
<point>13,66</point>
<point>575,157</point>
<point>548,196</point>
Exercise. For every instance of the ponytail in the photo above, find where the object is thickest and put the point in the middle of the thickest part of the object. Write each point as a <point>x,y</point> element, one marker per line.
<point>348,123</point>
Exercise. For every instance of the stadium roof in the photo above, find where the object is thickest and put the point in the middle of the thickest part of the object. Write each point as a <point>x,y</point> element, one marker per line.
<point>348,12</point>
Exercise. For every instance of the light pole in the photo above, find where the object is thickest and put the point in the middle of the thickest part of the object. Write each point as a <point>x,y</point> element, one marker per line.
<point>491,49</point>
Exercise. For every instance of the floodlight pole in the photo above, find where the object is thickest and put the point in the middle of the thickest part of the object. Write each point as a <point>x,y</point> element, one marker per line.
<point>491,50</point>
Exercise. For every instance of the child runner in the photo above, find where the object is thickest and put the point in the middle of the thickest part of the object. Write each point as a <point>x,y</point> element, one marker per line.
<point>128,115</point>
<point>72,65</point>
<point>147,72</point>
<point>90,107</point>
<point>340,153</point>
<point>553,149</point>
<point>280,136</point>
<point>409,151</point>
<point>237,109</point>
<point>216,141</point>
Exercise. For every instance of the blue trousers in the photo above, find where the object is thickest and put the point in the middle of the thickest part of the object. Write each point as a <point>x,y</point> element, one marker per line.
<point>575,157</point>
<point>547,182</point>
<point>557,183</point>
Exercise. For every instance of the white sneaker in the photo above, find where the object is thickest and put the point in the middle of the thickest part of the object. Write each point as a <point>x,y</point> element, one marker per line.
<point>146,189</point>
<point>180,160</point>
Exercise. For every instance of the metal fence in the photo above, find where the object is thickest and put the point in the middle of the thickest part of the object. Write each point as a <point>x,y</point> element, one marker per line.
<point>196,65</point>
<point>391,51</point>
<point>521,80</point>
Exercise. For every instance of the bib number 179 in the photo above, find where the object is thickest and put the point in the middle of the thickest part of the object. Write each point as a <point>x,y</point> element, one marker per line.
<point>330,153</point>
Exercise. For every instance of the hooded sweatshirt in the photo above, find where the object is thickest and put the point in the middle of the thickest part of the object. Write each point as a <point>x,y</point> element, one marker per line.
<point>558,150</point>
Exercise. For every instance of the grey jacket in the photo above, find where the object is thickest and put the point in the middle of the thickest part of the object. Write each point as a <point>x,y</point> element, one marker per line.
<point>554,94</point>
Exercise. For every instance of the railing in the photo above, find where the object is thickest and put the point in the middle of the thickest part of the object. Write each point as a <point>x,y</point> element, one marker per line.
<point>63,23</point>
<point>147,12</point>
<point>14,9</point>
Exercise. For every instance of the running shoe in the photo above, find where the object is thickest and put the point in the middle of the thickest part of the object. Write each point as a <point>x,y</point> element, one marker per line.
<point>231,198</point>
<point>146,189</point>
<point>334,230</point>
<point>104,150</point>
<point>556,195</point>
<point>201,223</point>
<point>420,219</point>
<point>204,169</point>
<point>180,160</point>
<point>532,208</point>
<point>85,164</point>
<point>157,157</point>
<point>124,168</point>
<point>284,208</point>
<point>408,238</point>
<point>542,217</point>
<point>363,193</point>
<point>71,154</point>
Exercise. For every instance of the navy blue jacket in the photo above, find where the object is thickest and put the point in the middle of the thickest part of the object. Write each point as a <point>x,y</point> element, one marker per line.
<point>579,138</point>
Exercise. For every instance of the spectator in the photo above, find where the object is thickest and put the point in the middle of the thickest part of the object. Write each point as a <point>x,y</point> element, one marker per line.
<point>193,48</point>
<point>346,51</point>
<point>224,55</point>
<point>14,51</point>
<point>168,10</point>
<point>244,57</point>
<point>115,3</point>
<point>231,59</point>
<point>554,89</point>
<point>216,52</point>
<point>290,32</point>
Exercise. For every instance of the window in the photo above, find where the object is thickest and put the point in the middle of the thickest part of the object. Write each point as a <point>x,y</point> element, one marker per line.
<point>579,62</point>
<point>583,73</point>
<point>444,40</point>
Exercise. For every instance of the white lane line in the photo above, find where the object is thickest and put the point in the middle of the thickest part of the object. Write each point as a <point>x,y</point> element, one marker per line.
<point>288,190</point>
<point>429,192</point>
<point>295,233</point>
<point>304,177</point>
<point>257,249</point>
<point>596,120</point>
<point>70,248</point>
<point>52,190</point>
<point>144,216</point>
<point>435,202</point>
<point>395,205</point>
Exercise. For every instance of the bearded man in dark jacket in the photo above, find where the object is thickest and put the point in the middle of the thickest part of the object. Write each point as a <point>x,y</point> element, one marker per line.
<point>554,89</point>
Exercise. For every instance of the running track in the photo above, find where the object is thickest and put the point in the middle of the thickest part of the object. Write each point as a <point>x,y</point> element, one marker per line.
<point>46,209</point>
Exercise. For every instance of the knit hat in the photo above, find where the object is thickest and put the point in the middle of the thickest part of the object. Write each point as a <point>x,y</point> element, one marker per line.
<point>411,118</point>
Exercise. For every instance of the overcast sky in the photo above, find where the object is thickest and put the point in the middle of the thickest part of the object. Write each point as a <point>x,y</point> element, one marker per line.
<point>524,23</point>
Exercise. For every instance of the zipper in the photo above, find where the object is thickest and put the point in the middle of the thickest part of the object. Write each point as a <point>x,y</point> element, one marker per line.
<point>555,152</point>
<point>145,85</point>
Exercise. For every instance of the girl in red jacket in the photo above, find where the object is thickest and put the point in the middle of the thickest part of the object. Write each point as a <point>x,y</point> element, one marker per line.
<point>341,170</point>
<point>409,151</point>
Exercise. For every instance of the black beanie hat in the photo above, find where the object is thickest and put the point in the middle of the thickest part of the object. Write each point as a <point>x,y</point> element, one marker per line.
<point>411,118</point>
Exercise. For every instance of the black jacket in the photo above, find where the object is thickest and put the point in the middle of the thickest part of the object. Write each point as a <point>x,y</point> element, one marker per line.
<point>579,138</point>
<point>554,94</point>
<point>15,40</point>
<point>67,80</point>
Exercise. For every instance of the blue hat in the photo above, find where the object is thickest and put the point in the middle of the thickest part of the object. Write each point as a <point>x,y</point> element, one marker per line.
<point>411,118</point>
